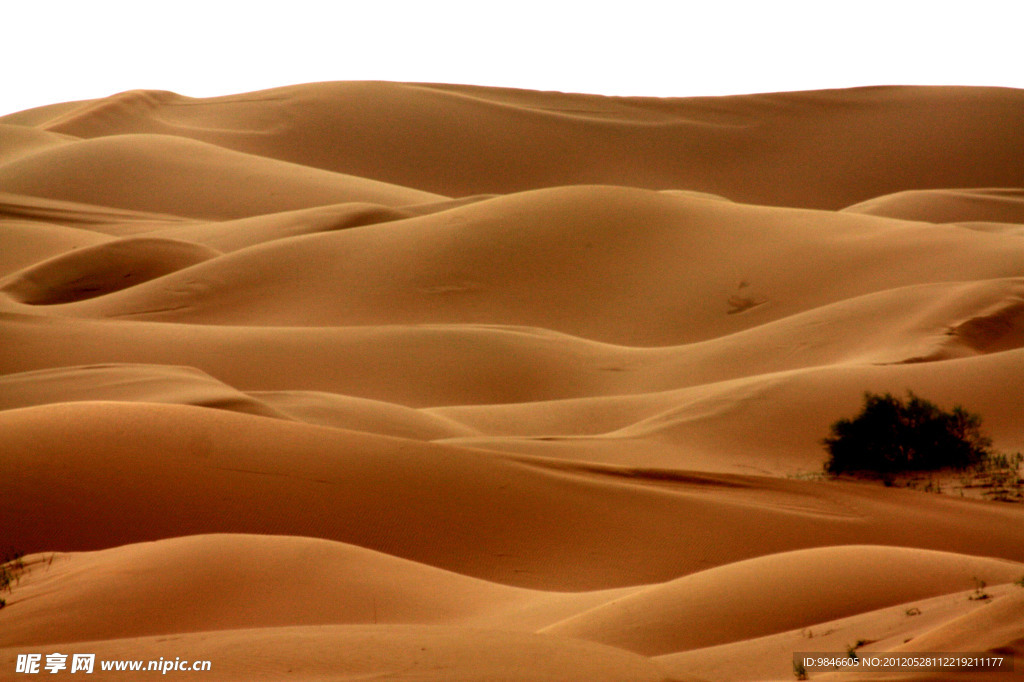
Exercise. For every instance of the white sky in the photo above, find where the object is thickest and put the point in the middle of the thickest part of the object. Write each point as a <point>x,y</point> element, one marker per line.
<point>58,51</point>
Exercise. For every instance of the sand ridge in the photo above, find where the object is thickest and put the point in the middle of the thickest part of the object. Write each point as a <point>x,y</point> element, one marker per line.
<point>825,149</point>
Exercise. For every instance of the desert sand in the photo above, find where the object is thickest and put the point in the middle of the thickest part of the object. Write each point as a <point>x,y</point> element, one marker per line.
<point>351,381</point>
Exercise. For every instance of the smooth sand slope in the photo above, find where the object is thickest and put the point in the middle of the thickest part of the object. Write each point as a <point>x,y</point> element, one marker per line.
<point>1000,206</point>
<point>825,149</point>
<point>185,177</point>
<point>430,382</point>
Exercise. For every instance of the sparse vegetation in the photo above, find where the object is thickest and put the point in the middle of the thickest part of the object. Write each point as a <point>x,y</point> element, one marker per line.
<point>851,649</point>
<point>979,593</point>
<point>1001,460</point>
<point>799,671</point>
<point>892,435</point>
<point>1000,474</point>
<point>913,611</point>
<point>10,572</point>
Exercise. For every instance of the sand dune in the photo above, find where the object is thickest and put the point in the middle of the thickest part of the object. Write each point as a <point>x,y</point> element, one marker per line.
<point>722,426</point>
<point>825,149</point>
<point>186,178</point>
<point>799,589</point>
<point>99,219</point>
<point>25,242</point>
<point>518,521</point>
<point>102,269</point>
<point>948,206</point>
<point>996,628</point>
<point>233,235</point>
<point>18,141</point>
<point>309,581</point>
<point>887,629</point>
<point>557,259</point>
<point>124,382</point>
<point>315,582</point>
<point>435,382</point>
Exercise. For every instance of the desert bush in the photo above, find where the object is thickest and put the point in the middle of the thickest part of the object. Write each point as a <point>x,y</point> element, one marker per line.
<point>892,435</point>
<point>11,567</point>
<point>979,593</point>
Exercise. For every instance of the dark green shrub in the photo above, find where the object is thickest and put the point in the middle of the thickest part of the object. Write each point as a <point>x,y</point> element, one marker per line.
<point>891,435</point>
<point>10,568</point>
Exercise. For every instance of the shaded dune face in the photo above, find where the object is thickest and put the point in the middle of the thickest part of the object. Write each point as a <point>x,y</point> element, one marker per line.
<point>476,383</point>
<point>102,269</point>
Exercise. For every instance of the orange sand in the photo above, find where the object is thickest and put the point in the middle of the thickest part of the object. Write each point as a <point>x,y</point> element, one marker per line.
<point>432,382</point>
